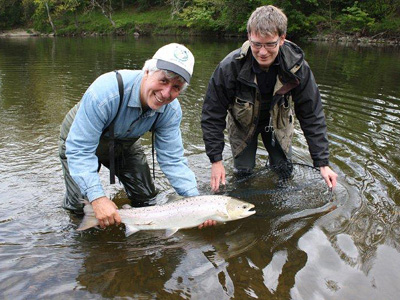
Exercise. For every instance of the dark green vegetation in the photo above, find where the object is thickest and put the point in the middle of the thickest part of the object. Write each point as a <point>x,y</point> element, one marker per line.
<point>373,18</point>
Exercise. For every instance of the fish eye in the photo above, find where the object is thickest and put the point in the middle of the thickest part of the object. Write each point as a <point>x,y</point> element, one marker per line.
<point>244,206</point>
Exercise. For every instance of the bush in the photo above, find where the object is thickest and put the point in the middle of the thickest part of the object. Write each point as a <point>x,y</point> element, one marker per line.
<point>355,20</point>
<point>202,14</point>
<point>317,23</point>
<point>10,15</point>
<point>40,19</point>
<point>388,27</point>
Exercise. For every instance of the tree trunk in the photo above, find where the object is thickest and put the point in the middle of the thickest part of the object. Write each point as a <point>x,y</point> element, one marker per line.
<point>176,6</point>
<point>50,20</point>
<point>107,12</point>
<point>76,20</point>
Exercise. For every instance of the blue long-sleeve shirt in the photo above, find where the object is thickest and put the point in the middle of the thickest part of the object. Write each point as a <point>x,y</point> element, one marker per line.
<point>98,107</point>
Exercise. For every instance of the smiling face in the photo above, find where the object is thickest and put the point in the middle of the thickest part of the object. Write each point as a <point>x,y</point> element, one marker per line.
<point>265,56</point>
<point>157,89</point>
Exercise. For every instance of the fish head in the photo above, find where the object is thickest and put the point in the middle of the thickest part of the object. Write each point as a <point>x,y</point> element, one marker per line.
<point>237,209</point>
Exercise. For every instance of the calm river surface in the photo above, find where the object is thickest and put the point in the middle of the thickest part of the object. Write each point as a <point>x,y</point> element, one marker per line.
<point>297,246</point>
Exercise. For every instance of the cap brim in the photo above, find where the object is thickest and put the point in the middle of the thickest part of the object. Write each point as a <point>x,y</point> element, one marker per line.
<point>165,65</point>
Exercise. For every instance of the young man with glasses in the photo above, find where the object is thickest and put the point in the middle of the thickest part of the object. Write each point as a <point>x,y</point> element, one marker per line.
<point>260,86</point>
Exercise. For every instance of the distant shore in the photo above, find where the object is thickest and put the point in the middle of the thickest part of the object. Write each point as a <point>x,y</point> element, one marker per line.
<point>367,40</point>
<point>332,38</point>
<point>19,33</point>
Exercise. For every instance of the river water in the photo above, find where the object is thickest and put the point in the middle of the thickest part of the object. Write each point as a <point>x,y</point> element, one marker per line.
<point>303,242</point>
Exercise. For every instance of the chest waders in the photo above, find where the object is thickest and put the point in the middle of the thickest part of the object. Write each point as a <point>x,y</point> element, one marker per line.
<point>111,142</point>
<point>110,129</point>
<point>123,157</point>
<point>244,129</point>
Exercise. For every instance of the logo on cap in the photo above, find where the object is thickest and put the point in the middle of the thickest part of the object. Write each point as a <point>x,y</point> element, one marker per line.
<point>181,54</point>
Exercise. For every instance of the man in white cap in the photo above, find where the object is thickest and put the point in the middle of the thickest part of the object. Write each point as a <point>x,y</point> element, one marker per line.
<point>105,126</point>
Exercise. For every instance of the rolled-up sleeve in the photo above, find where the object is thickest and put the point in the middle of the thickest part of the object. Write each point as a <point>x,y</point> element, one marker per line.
<point>170,151</point>
<point>83,139</point>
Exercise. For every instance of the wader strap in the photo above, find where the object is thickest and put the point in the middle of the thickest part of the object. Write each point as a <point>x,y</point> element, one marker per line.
<point>111,145</point>
<point>152,144</point>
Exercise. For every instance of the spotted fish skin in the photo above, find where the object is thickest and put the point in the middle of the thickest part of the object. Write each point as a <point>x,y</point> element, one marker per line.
<point>184,213</point>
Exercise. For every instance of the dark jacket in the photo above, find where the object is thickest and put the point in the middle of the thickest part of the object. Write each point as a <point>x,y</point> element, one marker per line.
<point>233,91</point>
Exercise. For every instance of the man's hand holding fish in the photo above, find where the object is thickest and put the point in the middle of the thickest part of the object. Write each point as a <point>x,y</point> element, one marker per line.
<point>106,212</point>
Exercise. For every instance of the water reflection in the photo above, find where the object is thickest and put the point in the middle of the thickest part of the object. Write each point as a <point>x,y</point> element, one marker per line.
<point>214,263</point>
<point>349,254</point>
<point>342,272</point>
<point>299,245</point>
<point>190,263</point>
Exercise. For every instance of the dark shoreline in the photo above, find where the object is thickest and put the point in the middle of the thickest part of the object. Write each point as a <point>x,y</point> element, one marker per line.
<point>330,38</point>
<point>364,40</point>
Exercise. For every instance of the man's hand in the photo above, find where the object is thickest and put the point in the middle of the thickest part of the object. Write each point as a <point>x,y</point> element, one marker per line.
<point>106,212</point>
<point>207,224</point>
<point>217,175</point>
<point>329,176</point>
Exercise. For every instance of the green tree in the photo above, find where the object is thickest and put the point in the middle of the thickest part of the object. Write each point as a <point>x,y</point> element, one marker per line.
<point>355,20</point>
<point>106,9</point>
<point>236,13</point>
<point>176,6</point>
<point>11,13</point>
<point>44,15</point>
<point>28,10</point>
<point>70,7</point>
<point>219,15</point>
<point>203,14</point>
<point>301,21</point>
<point>380,9</point>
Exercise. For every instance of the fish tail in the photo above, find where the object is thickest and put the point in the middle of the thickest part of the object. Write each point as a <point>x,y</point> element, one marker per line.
<point>89,220</point>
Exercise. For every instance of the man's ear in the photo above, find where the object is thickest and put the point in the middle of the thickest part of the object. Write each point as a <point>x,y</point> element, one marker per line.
<point>282,39</point>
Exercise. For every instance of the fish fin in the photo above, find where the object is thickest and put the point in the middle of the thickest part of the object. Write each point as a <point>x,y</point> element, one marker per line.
<point>223,214</point>
<point>88,221</point>
<point>170,232</point>
<point>84,201</point>
<point>129,230</point>
<point>175,197</point>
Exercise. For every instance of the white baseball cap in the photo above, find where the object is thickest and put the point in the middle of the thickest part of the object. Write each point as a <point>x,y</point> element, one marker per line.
<point>176,58</point>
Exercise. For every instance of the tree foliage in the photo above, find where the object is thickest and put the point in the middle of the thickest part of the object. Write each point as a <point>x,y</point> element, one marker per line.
<point>306,17</point>
<point>10,13</point>
<point>354,19</point>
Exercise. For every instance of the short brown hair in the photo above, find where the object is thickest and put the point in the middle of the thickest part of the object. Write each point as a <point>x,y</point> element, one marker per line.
<point>267,20</point>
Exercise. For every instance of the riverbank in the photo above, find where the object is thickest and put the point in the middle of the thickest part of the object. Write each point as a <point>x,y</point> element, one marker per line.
<point>19,32</point>
<point>354,39</point>
<point>331,38</point>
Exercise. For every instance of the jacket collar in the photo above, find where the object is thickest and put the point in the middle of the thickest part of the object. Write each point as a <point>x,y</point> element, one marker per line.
<point>291,58</point>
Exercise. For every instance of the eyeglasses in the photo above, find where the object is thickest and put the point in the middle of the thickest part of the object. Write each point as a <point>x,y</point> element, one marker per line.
<point>271,45</point>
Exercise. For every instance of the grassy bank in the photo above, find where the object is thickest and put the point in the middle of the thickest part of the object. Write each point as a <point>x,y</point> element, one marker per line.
<point>158,21</point>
